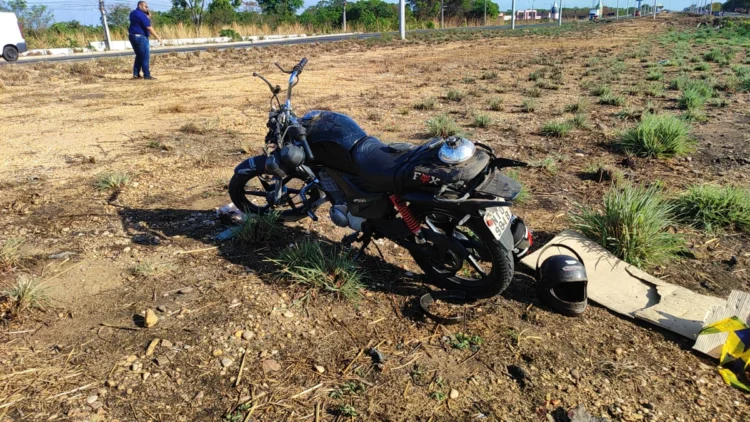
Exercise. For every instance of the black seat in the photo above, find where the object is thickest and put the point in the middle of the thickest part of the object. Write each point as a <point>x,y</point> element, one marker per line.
<point>377,163</point>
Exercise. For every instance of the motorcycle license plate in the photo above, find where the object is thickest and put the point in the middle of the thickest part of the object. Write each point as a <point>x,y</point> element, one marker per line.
<point>497,220</point>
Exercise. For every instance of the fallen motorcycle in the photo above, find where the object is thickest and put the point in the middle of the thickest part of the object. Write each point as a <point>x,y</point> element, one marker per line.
<point>446,201</point>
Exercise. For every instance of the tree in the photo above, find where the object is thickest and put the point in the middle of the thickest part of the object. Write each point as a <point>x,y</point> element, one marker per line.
<point>35,18</point>
<point>118,15</point>
<point>281,8</point>
<point>217,5</point>
<point>196,8</point>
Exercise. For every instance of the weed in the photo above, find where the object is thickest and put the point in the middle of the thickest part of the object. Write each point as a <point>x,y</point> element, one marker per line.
<point>654,75</point>
<point>745,84</point>
<point>427,103</point>
<point>454,95</point>
<point>534,92</point>
<point>713,207</point>
<point>601,90</point>
<point>496,104</point>
<point>731,83</point>
<point>151,269</point>
<point>580,121</point>
<point>80,68</point>
<point>691,99</point>
<point>741,71</point>
<point>154,144</point>
<point>602,172</point>
<point>657,136</point>
<point>536,75</point>
<point>654,90</point>
<point>719,102</point>
<point>438,396</point>
<point>348,388</point>
<point>463,341</point>
<point>374,116</point>
<point>609,99</point>
<point>548,163</point>
<point>193,128</point>
<point>489,76</point>
<point>695,115</point>
<point>556,129</point>
<point>702,67</point>
<point>345,410</point>
<point>174,108</point>
<point>579,106</point>
<point>633,225</point>
<point>547,85</point>
<point>528,105</point>
<point>442,126</point>
<point>27,293</point>
<point>330,270</point>
<point>9,254</point>
<point>112,181</point>
<point>258,228</point>
<point>482,120</point>
<point>469,80</point>
<point>628,114</point>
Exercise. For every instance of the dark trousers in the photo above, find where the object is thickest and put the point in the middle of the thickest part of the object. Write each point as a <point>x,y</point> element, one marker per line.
<point>142,55</point>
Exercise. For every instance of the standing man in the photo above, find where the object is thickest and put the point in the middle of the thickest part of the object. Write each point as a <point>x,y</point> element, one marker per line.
<point>140,28</point>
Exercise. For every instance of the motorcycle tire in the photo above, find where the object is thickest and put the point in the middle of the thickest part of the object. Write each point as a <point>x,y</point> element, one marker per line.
<point>493,284</point>
<point>239,198</point>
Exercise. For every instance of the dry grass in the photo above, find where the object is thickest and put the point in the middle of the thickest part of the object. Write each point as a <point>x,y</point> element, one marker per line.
<point>27,293</point>
<point>9,254</point>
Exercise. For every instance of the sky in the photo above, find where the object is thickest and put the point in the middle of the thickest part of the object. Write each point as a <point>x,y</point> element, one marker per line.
<point>87,11</point>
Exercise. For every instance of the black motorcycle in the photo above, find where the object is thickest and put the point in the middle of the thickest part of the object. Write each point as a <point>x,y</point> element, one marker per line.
<point>446,201</point>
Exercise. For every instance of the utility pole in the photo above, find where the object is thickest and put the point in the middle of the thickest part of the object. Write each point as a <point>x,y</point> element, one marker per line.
<point>402,21</point>
<point>559,15</point>
<point>654,9</point>
<point>442,15</point>
<point>485,12</point>
<point>617,10</point>
<point>513,16</point>
<point>104,23</point>
<point>344,15</point>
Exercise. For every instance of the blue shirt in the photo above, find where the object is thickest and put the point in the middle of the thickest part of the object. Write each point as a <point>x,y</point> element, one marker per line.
<point>138,23</point>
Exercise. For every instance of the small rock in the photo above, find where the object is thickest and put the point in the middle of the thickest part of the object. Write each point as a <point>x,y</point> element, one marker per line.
<point>166,344</point>
<point>136,367</point>
<point>237,334</point>
<point>270,365</point>
<point>689,159</point>
<point>199,396</point>
<point>126,249</point>
<point>248,335</point>
<point>575,374</point>
<point>151,319</point>
<point>151,347</point>
<point>131,358</point>
<point>91,399</point>
<point>185,290</point>
<point>111,383</point>
<point>700,402</point>
<point>288,314</point>
<point>733,261</point>
<point>96,405</point>
<point>453,394</point>
<point>146,375</point>
<point>162,361</point>
<point>320,369</point>
<point>579,154</point>
<point>618,351</point>
<point>649,406</point>
<point>226,362</point>
<point>161,308</point>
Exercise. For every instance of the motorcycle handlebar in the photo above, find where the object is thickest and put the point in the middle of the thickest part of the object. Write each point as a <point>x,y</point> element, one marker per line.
<point>301,65</point>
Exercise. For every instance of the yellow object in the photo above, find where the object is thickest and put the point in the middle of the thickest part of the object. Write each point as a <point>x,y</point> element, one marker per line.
<point>735,354</point>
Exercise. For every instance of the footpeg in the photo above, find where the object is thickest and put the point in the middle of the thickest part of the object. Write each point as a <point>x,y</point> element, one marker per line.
<point>349,239</point>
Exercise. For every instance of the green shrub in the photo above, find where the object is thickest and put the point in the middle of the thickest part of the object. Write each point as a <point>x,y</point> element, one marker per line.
<point>654,75</point>
<point>427,103</point>
<point>230,33</point>
<point>556,129</point>
<point>443,126</point>
<point>536,75</point>
<point>713,207</point>
<point>534,92</point>
<point>654,90</point>
<point>580,121</point>
<point>482,120</point>
<point>691,99</point>
<point>528,105</point>
<point>657,136</point>
<point>601,90</point>
<point>702,67</point>
<point>454,95</point>
<point>496,104</point>
<point>579,106</point>
<point>112,180</point>
<point>633,224</point>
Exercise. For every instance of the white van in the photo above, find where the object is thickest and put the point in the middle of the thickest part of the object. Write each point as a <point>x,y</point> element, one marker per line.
<point>11,40</point>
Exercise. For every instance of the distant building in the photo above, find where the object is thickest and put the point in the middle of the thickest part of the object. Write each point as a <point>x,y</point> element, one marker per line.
<point>528,14</point>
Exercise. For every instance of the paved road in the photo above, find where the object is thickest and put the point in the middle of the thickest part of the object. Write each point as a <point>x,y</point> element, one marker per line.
<point>247,44</point>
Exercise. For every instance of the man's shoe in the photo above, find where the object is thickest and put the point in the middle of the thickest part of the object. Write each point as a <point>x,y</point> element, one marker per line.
<point>136,76</point>
<point>149,78</point>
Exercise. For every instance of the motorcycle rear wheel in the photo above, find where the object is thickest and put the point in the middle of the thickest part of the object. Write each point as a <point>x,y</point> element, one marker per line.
<point>489,269</point>
<point>248,194</point>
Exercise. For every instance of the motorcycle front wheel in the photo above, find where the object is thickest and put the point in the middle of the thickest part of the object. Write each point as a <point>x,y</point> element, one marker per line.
<point>249,193</point>
<point>486,272</point>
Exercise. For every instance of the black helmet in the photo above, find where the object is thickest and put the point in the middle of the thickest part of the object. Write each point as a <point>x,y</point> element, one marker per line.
<point>562,283</point>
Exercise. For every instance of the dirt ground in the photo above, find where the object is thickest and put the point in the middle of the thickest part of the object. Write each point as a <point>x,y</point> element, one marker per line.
<point>151,245</point>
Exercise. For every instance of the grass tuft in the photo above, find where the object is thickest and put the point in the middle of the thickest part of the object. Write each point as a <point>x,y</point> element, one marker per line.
<point>633,224</point>
<point>528,105</point>
<point>427,103</point>
<point>580,121</point>
<point>454,95</point>
<point>654,75</point>
<point>713,207</point>
<point>258,228</point>
<point>482,120</point>
<point>659,136</point>
<point>329,270</point>
<point>609,99</point>
<point>579,106</point>
<point>601,90</point>
<point>556,129</point>
<point>524,195</point>
<point>691,99</point>
<point>442,126</point>
<point>9,254</point>
<point>27,293</point>
<point>496,104</point>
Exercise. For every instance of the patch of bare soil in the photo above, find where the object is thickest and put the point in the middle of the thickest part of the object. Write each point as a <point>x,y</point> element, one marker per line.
<point>233,341</point>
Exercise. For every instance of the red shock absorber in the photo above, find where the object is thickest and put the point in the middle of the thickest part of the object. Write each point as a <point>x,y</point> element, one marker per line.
<point>406,214</point>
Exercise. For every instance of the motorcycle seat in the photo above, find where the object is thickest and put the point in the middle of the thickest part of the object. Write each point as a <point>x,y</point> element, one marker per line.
<point>378,163</point>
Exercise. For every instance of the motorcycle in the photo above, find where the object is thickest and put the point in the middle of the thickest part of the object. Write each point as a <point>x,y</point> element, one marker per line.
<point>446,201</point>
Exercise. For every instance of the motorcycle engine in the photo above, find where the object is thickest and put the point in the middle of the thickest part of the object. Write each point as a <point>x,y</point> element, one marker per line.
<point>339,212</point>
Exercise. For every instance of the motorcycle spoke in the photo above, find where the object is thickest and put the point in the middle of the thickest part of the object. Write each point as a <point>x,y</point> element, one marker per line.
<point>475,264</point>
<point>255,193</point>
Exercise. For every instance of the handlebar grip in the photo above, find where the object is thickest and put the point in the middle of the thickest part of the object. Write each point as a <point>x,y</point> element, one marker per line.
<point>308,151</point>
<point>301,65</point>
